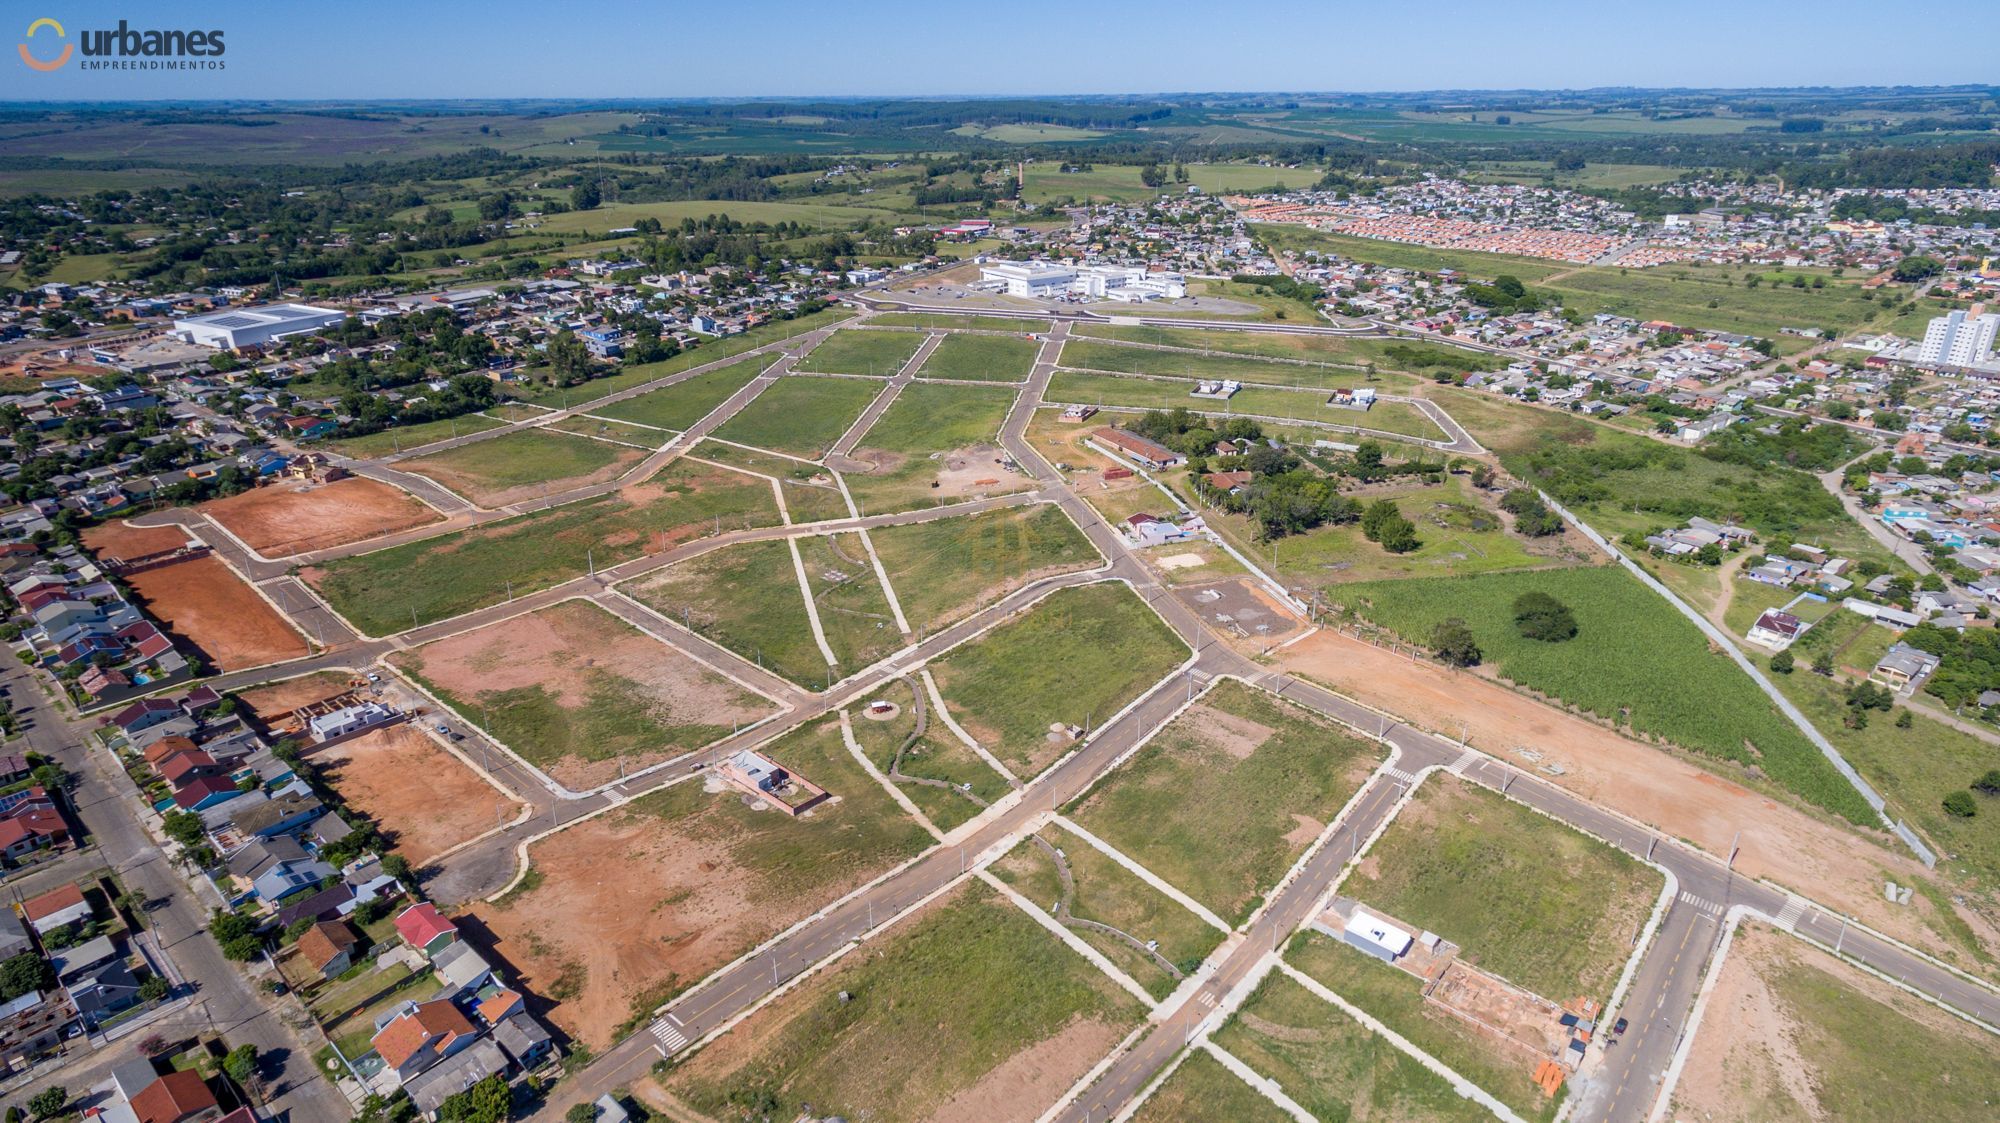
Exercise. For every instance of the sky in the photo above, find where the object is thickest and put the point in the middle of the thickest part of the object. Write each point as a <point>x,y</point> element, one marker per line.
<point>363,49</point>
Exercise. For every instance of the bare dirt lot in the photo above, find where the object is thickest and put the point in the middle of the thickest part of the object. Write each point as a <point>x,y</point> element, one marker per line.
<point>374,773</point>
<point>273,704</point>
<point>203,602</point>
<point>577,692</point>
<point>290,518</point>
<point>117,540</point>
<point>1652,785</point>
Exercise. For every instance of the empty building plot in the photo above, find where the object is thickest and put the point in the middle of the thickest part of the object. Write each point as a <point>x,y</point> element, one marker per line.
<point>745,597</point>
<point>945,569</point>
<point>681,405</point>
<point>935,444</point>
<point>981,358</point>
<point>857,351</point>
<point>800,415</point>
<point>524,465</point>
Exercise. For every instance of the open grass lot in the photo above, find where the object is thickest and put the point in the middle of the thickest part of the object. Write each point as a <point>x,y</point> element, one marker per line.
<point>1793,1033</point>
<point>1311,348</point>
<point>702,876</point>
<point>981,358</point>
<point>709,351</point>
<point>1635,662</point>
<point>381,992</point>
<point>1107,893</point>
<point>1077,657</point>
<point>970,1010</point>
<point>936,755</point>
<point>1022,326</point>
<point>936,443</point>
<point>581,694</point>
<point>1160,392</point>
<point>1460,531</point>
<point>1093,355</point>
<point>389,441</point>
<point>1202,1091</point>
<point>853,611</point>
<point>880,353</point>
<point>1526,898</point>
<point>1227,796</point>
<point>943,570</point>
<point>1396,998</point>
<point>520,465</point>
<point>1119,183</point>
<point>604,429</point>
<point>810,492</point>
<point>1332,1065</point>
<point>383,592</point>
<point>746,598</point>
<point>800,415</point>
<point>682,404</point>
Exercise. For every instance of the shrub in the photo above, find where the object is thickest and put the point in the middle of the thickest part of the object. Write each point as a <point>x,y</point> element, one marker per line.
<point>1988,784</point>
<point>1539,616</point>
<point>1961,804</point>
<point>1454,644</point>
<point>1782,662</point>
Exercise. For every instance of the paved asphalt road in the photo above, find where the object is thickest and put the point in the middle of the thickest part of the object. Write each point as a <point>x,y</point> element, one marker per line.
<point>1622,1084</point>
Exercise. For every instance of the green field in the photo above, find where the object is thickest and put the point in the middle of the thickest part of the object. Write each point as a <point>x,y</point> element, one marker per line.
<point>1459,530</point>
<point>930,420</point>
<point>1863,1051</point>
<point>710,350</point>
<point>487,471</point>
<point>1332,1065</point>
<point>1119,183</point>
<point>1542,906</point>
<point>1395,997</point>
<point>1007,324</point>
<point>1310,348</point>
<point>945,569</point>
<point>1253,781</point>
<point>1202,1091</point>
<point>1107,893</point>
<point>800,415</point>
<point>390,441</point>
<point>681,405</point>
<point>1635,662</point>
<point>605,429</point>
<point>746,598</point>
<point>1078,656</point>
<point>605,709</point>
<point>936,755</point>
<point>930,1010</point>
<point>1155,392</point>
<point>1092,355</point>
<point>981,358</point>
<point>820,216</point>
<point>437,578</point>
<point>879,353</point>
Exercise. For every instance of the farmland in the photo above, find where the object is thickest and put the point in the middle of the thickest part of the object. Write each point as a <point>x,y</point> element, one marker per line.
<point>1532,901</point>
<point>702,877</point>
<point>1076,657</point>
<point>523,465</point>
<point>1334,1066</point>
<point>1254,780</point>
<point>581,694</point>
<point>936,443</point>
<point>969,1010</point>
<point>981,358</point>
<point>684,403</point>
<point>943,570</point>
<point>456,573</point>
<point>800,415</point>
<point>1107,893</point>
<point>1395,998</point>
<point>745,597</point>
<point>1120,182</point>
<point>1794,1033</point>
<point>1634,662</point>
<point>879,353</point>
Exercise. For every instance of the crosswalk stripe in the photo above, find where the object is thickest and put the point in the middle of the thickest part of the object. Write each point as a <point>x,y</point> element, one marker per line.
<point>1465,761</point>
<point>1705,906</point>
<point>669,1036</point>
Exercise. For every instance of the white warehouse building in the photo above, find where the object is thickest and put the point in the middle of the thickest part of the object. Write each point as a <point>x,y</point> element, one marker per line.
<point>232,328</point>
<point>1043,279</point>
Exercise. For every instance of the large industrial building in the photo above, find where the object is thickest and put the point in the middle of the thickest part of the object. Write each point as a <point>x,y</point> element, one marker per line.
<point>1961,338</point>
<point>1044,280</point>
<point>234,328</point>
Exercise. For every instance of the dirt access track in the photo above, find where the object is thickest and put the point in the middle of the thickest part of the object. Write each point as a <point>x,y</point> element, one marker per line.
<point>1832,864</point>
<point>294,517</point>
<point>425,799</point>
<point>201,601</point>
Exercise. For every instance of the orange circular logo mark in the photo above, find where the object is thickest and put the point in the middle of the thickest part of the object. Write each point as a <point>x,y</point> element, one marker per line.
<point>59,60</point>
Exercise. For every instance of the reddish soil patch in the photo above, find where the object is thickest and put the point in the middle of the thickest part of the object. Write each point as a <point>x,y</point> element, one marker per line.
<point>1653,785</point>
<point>121,540</point>
<point>273,704</point>
<point>373,773</point>
<point>297,518</point>
<point>204,602</point>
